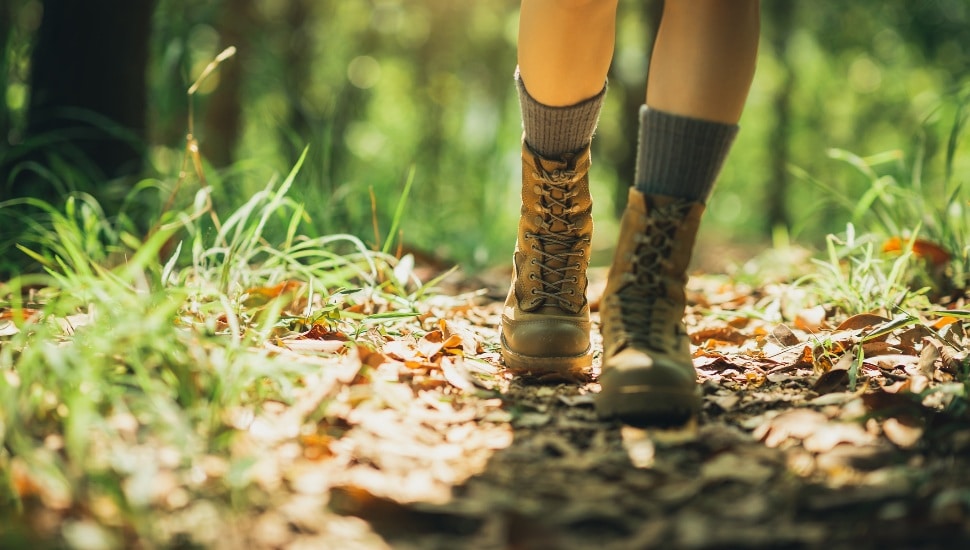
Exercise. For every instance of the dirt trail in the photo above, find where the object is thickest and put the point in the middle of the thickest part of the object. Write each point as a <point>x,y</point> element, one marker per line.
<point>788,451</point>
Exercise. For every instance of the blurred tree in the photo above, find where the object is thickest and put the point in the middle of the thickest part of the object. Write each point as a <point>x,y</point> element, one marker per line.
<point>375,87</point>
<point>223,125</point>
<point>298,48</point>
<point>88,89</point>
<point>632,95</point>
<point>779,17</point>
<point>6,29</point>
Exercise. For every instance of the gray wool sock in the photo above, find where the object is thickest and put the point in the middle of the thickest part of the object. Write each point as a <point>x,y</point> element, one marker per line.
<point>555,131</point>
<point>680,156</point>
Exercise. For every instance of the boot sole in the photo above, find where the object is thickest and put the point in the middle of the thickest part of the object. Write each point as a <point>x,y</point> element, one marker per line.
<point>572,365</point>
<point>648,405</point>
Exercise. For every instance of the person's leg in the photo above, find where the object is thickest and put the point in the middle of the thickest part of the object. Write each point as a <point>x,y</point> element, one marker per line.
<point>565,48</point>
<point>700,73</point>
<point>704,58</point>
<point>564,53</point>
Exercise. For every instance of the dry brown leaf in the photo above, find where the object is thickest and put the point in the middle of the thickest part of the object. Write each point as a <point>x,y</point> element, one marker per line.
<point>935,254</point>
<point>260,295</point>
<point>784,336</point>
<point>322,332</point>
<point>811,319</point>
<point>312,345</point>
<point>430,344</point>
<point>872,348</point>
<point>402,351</point>
<point>832,381</point>
<point>862,321</point>
<point>893,361</point>
<point>456,375</point>
<point>830,434</point>
<point>944,321</point>
<point>721,336</point>
<point>904,434</point>
<point>470,344</point>
<point>794,423</point>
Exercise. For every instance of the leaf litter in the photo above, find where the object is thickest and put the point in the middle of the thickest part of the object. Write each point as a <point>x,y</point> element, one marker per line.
<point>409,433</point>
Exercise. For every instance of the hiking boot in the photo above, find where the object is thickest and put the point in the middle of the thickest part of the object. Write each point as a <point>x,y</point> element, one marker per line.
<point>648,374</point>
<point>545,323</point>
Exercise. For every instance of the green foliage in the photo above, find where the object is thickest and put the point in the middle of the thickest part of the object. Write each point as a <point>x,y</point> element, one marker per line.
<point>856,277</point>
<point>127,358</point>
<point>376,88</point>
<point>924,201</point>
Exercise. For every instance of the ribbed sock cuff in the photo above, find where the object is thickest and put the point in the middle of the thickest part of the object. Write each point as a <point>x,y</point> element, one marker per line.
<point>555,131</point>
<point>680,156</point>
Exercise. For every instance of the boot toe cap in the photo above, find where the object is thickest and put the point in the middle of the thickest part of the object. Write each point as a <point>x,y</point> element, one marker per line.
<point>546,338</point>
<point>636,385</point>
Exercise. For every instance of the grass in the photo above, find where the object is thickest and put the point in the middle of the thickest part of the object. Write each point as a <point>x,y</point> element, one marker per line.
<point>131,358</point>
<point>920,206</point>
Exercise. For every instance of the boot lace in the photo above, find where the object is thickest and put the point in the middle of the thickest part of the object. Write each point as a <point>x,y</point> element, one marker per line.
<point>558,246</point>
<point>644,300</point>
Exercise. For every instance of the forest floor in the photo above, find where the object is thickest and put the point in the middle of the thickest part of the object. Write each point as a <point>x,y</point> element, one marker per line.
<point>816,432</point>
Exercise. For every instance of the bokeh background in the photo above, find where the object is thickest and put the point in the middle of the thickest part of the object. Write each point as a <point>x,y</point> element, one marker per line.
<point>377,88</point>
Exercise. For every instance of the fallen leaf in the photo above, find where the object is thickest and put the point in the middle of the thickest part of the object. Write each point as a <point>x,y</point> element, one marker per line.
<point>829,434</point>
<point>260,295</point>
<point>944,321</point>
<point>470,344</point>
<point>811,319</point>
<point>861,321</point>
<point>894,361</point>
<point>784,336</point>
<point>724,333</point>
<point>456,374</point>
<point>904,434</point>
<point>795,423</point>
<point>401,350</point>
<point>430,344</point>
<point>313,345</point>
<point>725,402</point>
<point>927,250</point>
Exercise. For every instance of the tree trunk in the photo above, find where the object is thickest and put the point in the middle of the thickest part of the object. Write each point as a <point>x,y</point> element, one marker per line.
<point>780,21</point>
<point>223,111</point>
<point>6,27</point>
<point>88,87</point>
<point>625,159</point>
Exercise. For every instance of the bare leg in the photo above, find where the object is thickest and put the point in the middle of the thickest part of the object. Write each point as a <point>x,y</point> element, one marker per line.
<point>704,58</point>
<point>565,48</point>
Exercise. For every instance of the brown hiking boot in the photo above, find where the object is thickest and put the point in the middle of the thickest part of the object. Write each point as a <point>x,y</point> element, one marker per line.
<point>545,323</point>
<point>648,374</point>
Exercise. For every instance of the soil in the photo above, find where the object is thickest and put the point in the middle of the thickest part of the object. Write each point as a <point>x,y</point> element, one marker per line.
<point>800,443</point>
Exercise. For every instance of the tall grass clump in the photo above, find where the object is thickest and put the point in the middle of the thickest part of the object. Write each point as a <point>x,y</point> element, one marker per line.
<point>915,210</point>
<point>126,365</point>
